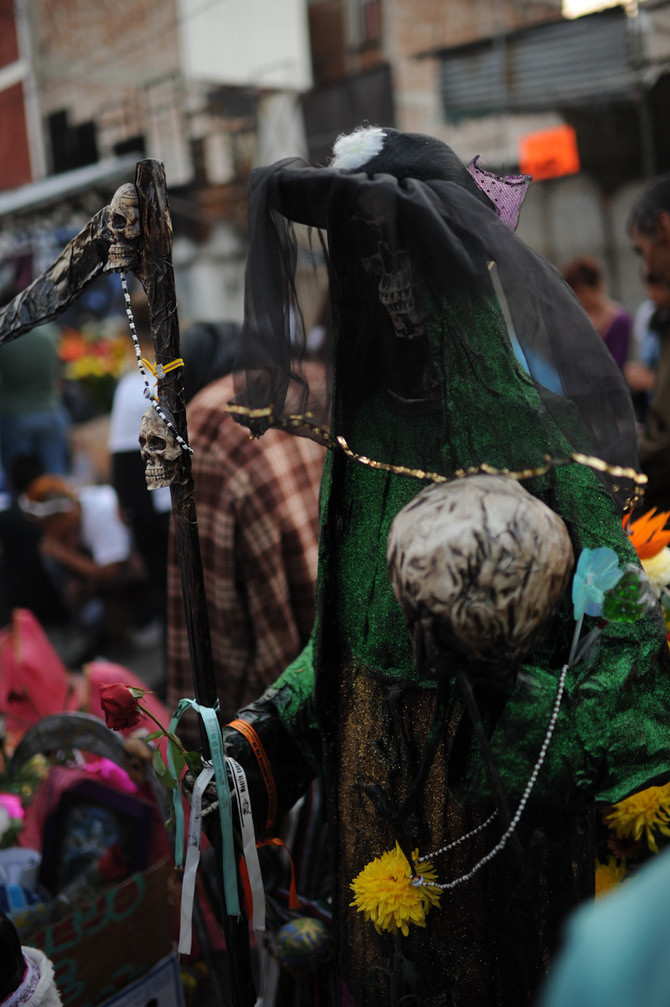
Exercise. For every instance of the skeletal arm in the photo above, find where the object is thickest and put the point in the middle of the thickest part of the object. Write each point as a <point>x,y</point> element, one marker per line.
<point>81,261</point>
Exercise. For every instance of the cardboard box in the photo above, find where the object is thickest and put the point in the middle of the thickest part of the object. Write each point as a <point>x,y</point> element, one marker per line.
<point>104,946</point>
<point>161,987</point>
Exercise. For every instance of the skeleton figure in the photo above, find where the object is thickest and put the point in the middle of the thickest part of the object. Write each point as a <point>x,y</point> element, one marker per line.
<point>400,758</point>
<point>396,290</point>
<point>160,451</point>
<point>483,563</point>
<point>394,269</point>
<point>124,223</point>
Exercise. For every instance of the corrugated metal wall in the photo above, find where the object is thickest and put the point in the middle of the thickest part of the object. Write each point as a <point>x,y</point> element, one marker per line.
<point>544,68</point>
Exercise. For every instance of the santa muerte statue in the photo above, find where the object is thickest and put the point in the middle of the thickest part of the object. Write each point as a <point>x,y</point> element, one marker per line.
<point>466,713</point>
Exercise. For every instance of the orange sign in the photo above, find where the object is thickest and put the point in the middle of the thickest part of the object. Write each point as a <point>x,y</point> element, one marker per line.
<point>549,153</point>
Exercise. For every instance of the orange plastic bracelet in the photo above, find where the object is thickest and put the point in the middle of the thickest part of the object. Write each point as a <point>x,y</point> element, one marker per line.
<point>264,764</point>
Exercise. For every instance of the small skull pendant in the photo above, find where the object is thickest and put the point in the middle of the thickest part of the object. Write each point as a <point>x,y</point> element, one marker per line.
<point>160,451</point>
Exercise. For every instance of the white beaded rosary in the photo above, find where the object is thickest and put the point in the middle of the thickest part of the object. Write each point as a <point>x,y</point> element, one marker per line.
<point>417,880</point>
<point>159,371</point>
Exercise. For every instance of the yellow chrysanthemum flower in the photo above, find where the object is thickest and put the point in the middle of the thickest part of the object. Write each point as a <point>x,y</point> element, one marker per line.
<point>384,892</point>
<point>648,812</point>
<point>609,875</point>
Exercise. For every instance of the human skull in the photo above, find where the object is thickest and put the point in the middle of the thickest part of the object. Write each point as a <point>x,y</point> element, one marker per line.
<point>396,290</point>
<point>160,451</point>
<point>484,564</point>
<point>124,223</point>
<point>396,293</point>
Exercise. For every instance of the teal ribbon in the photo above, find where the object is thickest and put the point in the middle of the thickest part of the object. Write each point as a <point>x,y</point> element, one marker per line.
<point>178,808</point>
<point>210,720</point>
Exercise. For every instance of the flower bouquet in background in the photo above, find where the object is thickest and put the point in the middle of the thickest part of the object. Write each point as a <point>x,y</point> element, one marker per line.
<point>94,357</point>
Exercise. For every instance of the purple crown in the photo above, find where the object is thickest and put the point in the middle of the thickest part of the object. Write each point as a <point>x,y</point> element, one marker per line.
<point>506,192</point>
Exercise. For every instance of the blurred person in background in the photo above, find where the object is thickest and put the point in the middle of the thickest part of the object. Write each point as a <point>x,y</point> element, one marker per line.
<point>145,512</point>
<point>33,420</point>
<point>208,350</point>
<point>25,580</point>
<point>640,371</point>
<point>88,550</point>
<point>257,506</point>
<point>649,227</point>
<point>608,317</point>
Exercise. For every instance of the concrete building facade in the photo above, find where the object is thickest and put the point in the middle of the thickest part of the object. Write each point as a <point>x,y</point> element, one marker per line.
<point>213,89</point>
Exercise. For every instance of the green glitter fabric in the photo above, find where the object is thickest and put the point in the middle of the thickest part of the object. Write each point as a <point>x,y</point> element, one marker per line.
<point>354,705</point>
<point>352,697</point>
<point>611,734</point>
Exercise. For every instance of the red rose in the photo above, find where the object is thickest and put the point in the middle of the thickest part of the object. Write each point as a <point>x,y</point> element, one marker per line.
<point>120,707</point>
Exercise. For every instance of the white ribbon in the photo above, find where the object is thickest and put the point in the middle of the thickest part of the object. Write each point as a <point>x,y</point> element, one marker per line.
<point>249,844</point>
<point>192,861</point>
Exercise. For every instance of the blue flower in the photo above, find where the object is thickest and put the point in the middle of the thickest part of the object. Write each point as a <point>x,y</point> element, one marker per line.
<point>597,571</point>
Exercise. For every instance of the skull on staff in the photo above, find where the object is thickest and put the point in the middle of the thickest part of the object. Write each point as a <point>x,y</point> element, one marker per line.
<point>160,451</point>
<point>124,223</point>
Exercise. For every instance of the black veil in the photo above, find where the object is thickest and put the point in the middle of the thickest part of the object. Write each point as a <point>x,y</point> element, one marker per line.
<point>451,242</point>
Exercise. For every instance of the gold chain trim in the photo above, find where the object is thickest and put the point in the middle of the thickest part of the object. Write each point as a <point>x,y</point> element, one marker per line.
<point>304,424</point>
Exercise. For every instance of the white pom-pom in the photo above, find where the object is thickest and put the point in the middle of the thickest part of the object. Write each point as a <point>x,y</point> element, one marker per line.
<point>353,150</point>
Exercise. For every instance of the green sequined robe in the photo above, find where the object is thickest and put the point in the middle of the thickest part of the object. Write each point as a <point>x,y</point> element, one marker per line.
<point>354,710</point>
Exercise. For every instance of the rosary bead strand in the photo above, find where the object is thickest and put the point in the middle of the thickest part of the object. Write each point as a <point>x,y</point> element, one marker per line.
<point>417,881</point>
<point>148,394</point>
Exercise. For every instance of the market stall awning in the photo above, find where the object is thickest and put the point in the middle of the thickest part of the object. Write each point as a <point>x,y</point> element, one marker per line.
<point>49,190</point>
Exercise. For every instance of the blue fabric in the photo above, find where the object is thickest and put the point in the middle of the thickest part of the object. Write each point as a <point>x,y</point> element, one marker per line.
<point>650,349</point>
<point>43,434</point>
<point>616,951</point>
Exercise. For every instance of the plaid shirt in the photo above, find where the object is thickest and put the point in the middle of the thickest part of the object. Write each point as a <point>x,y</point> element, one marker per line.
<point>257,508</point>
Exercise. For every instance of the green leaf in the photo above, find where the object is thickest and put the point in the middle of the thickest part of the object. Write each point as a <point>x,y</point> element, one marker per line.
<point>194,761</point>
<point>153,736</point>
<point>162,772</point>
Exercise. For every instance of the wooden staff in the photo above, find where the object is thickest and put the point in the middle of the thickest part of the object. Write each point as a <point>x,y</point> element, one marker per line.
<point>79,264</point>
<point>154,271</point>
